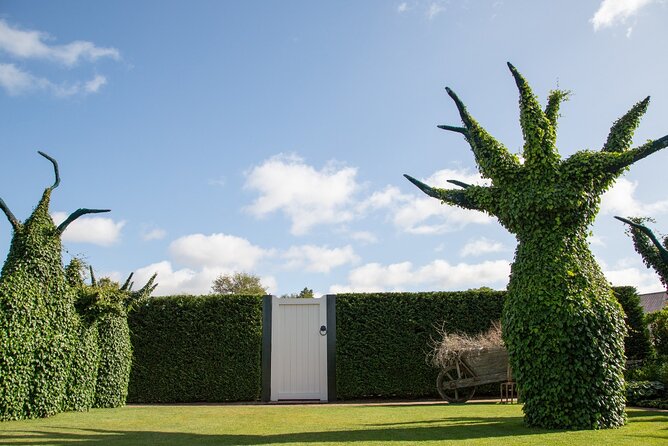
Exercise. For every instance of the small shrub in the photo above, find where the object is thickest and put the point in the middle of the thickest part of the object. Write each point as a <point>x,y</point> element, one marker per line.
<point>643,391</point>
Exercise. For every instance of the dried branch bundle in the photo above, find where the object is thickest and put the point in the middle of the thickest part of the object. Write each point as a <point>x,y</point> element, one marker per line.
<point>454,346</point>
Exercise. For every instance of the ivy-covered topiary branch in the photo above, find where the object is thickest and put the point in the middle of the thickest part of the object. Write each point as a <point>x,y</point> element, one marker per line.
<point>10,216</point>
<point>56,183</point>
<point>452,196</point>
<point>653,252</point>
<point>76,214</point>
<point>620,136</point>
<point>493,159</point>
<point>539,134</point>
<point>554,100</point>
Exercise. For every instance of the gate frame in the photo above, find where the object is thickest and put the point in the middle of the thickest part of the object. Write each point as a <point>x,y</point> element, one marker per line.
<point>330,305</point>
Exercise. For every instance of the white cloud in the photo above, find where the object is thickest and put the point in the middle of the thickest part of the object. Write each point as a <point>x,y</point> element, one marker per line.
<point>419,214</point>
<point>364,236</point>
<point>480,247</point>
<point>438,274</point>
<point>30,44</point>
<point>307,196</point>
<point>402,7</point>
<point>434,9</point>
<point>101,231</point>
<point>183,281</point>
<point>270,284</point>
<point>612,12</point>
<point>186,280</point>
<point>620,200</point>
<point>644,281</point>
<point>385,198</point>
<point>93,85</point>
<point>217,251</point>
<point>596,240</point>
<point>319,259</point>
<point>16,81</point>
<point>312,197</point>
<point>154,234</point>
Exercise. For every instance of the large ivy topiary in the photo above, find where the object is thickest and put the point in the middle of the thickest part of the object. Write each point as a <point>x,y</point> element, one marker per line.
<point>39,326</point>
<point>563,328</point>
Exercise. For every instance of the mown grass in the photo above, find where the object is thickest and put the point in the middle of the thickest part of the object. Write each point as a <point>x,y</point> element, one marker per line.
<point>468,424</point>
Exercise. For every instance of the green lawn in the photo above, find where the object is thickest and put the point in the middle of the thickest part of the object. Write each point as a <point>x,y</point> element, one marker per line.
<point>469,424</point>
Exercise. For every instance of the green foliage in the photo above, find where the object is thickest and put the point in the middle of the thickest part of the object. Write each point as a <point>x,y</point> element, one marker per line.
<point>111,388</point>
<point>562,326</point>
<point>658,325</point>
<point>46,350</point>
<point>655,369</point>
<point>637,391</point>
<point>382,339</point>
<point>306,293</point>
<point>653,251</point>
<point>637,344</point>
<point>239,284</point>
<point>38,324</point>
<point>196,348</point>
<point>80,392</point>
<point>105,305</point>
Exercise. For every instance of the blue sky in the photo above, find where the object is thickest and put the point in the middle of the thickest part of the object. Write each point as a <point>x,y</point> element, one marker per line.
<point>271,137</point>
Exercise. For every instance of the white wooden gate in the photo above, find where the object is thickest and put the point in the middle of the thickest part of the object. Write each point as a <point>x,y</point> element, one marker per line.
<point>298,349</point>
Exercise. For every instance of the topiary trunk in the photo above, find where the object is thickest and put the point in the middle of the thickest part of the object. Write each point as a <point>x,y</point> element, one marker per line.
<point>563,328</point>
<point>565,331</point>
<point>111,389</point>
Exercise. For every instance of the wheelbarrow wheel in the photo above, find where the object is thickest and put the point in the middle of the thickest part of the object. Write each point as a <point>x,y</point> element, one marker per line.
<point>453,374</point>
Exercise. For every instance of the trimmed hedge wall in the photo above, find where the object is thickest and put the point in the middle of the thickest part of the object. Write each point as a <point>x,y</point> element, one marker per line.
<point>196,349</point>
<point>382,340</point>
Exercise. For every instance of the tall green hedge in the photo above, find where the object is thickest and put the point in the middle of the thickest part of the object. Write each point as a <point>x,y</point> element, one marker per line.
<point>382,340</point>
<point>196,349</point>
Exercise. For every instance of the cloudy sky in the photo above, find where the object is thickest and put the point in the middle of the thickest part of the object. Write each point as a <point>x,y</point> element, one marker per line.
<point>271,137</point>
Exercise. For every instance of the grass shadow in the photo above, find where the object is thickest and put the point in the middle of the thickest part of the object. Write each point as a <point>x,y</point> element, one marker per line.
<point>464,428</point>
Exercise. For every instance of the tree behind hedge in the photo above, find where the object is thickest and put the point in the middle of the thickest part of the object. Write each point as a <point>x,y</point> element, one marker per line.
<point>563,328</point>
<point>239,284</point>
<point>637,344</point>
<point>39,326</point>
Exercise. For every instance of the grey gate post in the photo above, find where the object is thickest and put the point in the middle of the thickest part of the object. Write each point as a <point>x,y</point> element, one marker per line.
<point>266,348</point>
<point>331,347</point>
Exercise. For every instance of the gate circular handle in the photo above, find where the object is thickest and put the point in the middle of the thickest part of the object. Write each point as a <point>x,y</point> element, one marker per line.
<point>323,330</point>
